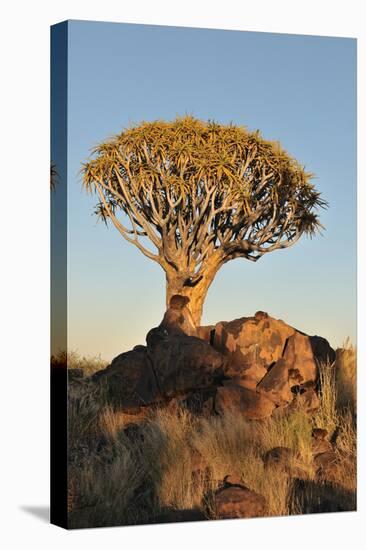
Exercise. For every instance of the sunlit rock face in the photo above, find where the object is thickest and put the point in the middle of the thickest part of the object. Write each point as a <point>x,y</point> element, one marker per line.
<point>254,366</point>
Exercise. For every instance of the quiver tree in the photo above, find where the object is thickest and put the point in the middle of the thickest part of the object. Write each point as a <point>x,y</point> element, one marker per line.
<point>193,195</point>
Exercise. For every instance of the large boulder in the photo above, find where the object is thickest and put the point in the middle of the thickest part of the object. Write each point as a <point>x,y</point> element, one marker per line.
<point>275,384</point>
<point>183,363</point>
<point>129,380</point>
<point>251,343</point>
<point>237,501</point>
<point>322,351</point>
<point>252,365</point>
<point>263,350</point>
<point>300,359</point>
<point>201,402</point>
<point>251,404</point>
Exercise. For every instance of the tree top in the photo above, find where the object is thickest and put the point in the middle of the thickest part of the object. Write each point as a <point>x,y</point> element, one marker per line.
<point>185,183</point>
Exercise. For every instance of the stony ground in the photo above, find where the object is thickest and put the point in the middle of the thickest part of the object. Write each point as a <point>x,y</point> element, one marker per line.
<point>172,462</point>
<point>246,420</point>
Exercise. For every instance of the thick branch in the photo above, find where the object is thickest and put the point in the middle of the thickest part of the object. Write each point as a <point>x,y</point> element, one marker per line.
<point>124,231</point>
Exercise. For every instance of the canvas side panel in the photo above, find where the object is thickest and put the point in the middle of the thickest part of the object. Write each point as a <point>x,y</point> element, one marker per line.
<point>59,55</point>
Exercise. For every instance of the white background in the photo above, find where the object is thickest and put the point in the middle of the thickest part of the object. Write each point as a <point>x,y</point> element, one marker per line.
<point>24,272</point>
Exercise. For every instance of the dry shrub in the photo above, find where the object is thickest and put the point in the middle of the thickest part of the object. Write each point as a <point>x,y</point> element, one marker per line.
<point>169,455</point>
<point>72,360</point>
<point>107,489</point>
<point>327,416</point>
<point>346,375</point>
<point>84,406</point>
<point>337,413</point>
<point>112,421</point>
<point>347,451</point>
<point>226,445</point>
<point>288,430</point>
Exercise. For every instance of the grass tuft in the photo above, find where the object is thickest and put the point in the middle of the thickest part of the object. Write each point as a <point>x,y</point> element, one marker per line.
<point>128,469</point>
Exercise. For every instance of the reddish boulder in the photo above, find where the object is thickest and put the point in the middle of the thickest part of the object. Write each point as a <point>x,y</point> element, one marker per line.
<point>249,403</point>
<point>251,342</point>
<point>178,318</point>
<point>322,351</point>
<point>275,384</point>
<point>129,380</point>
<point>255,345</point>
<point>300,359</point>
<point>237,501</point>
<point>252,365</point>
<point>183,363</point>
<point>206,333</point>
<point>250,377</point>
<point>296,369</point>
<point>233,479</point>
<point>279,457</point>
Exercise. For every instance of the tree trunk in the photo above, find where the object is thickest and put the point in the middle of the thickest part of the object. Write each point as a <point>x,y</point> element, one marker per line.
<point>196,292</point>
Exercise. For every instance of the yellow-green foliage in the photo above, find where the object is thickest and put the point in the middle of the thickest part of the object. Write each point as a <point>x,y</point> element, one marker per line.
<point>173,177</point>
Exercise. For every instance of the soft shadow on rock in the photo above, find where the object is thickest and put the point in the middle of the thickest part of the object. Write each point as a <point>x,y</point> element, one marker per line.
<point>40,512</point>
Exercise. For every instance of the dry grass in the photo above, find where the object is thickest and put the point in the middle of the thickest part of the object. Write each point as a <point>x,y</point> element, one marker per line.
<point>111,422</point>
<point>107,484</point>
<point>337,412</point>
<point>126,469</point>
<point>327,416</point>
<point>346,375</point>
<point>73,360</point>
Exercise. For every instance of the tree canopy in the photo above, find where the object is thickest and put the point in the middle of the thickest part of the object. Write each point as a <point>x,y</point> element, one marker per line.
<point>201,193</point>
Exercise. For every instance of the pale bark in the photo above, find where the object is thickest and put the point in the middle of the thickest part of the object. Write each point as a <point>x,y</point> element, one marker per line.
<point>195,287</point>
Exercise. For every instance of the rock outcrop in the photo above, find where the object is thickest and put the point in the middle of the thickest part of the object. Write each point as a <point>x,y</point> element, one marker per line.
<point>251,343</point>
<point>130,381</point>
<point>170,366</point>
<point>252,366</point>
<point>183,363</point>
<point>237,399</point>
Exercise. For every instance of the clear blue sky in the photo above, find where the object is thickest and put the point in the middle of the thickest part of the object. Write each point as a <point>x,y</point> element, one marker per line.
<point>300,90</point>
